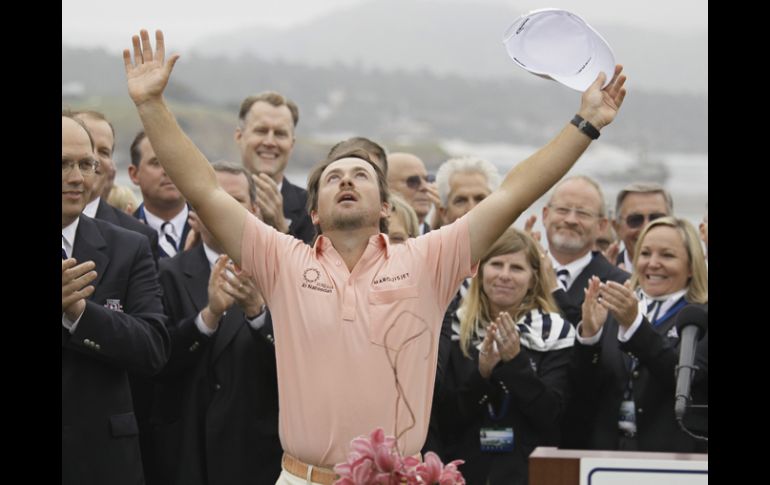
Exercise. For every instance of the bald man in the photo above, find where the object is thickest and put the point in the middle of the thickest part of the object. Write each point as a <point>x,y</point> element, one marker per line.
<point>408,177</point>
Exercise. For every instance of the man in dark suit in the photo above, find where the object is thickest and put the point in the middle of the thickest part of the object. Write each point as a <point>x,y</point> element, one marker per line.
<point>103,135</point>
<point>163,208</point>
<point>573,217</point>
<point>112,322</point>
<point>265,138</point>
<point>216,415</point>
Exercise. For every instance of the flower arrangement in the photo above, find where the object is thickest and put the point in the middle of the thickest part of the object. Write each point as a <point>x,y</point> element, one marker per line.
<point>375,460</point>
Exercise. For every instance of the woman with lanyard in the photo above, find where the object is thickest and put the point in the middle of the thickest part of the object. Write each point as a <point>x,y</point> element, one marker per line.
<point>628,346</point>
<point>503,388</point>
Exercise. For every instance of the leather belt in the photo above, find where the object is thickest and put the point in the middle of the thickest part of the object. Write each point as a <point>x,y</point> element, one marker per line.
<point>324,476</point>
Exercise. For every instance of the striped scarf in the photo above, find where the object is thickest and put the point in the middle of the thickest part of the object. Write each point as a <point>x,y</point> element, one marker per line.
<point>540,331</point>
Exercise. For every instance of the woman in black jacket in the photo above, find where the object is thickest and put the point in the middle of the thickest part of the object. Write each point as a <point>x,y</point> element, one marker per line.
<point>628,347</point>
<point>503,391</point>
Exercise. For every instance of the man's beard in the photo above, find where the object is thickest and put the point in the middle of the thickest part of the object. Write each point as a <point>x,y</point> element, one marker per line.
<point>348,222</point>
<point>568,244</point>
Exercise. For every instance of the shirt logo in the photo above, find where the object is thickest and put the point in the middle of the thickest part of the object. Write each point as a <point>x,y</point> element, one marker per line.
<point>113,305</point>
<point>310,281</point>
<point>388,278</point>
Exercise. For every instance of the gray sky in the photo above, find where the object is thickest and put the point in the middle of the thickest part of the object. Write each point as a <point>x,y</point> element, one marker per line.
<point>110,24</point>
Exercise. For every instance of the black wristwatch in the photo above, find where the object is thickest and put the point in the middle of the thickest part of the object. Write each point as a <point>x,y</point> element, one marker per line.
<point>586,127</point>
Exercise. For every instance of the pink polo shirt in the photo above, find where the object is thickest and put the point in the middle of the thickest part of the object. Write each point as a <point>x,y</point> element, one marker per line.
<point>331,331</point>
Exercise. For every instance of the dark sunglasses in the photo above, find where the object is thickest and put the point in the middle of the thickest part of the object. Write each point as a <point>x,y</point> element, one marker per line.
<point>635,221</point>
<point>414,181</point>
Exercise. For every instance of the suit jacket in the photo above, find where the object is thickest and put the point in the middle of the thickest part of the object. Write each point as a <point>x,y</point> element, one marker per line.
<point>601,374</point>
<point>295,209</point>
<point>216,414</point>
<point>122,329</point>
<point>139,214</point>
<point>570,302</point>
<point>106,212</point>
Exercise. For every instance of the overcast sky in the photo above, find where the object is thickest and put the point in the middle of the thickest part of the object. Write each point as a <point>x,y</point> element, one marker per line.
<point>111,24</point>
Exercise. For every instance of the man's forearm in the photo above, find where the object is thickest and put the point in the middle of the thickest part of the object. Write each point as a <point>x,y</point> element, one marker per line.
<point>180,158</point>
<point>530,179</point>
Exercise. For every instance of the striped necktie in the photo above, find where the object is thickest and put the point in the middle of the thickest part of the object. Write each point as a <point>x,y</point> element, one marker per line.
<point>563,276</point>
<point>167,242</point>
<point>63,252</point>
<point>652,310</point>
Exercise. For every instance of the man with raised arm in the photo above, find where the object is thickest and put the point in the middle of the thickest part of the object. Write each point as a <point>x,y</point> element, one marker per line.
<point>356,319</point>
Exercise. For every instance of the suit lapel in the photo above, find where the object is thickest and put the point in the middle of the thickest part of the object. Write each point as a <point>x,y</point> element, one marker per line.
<point>290,201</point>
<point>90,245</point>
<point>196,269</point>
<point>104,213</point>
<point>228,329</point>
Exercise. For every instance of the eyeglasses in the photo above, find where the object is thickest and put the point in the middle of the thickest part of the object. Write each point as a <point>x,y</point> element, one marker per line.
<point>635,221</point>
<point>414,181</point>
<point>86,167</point>
<point>581,214</point>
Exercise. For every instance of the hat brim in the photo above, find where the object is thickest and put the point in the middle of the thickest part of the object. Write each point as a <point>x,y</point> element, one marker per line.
<point>560,45</point>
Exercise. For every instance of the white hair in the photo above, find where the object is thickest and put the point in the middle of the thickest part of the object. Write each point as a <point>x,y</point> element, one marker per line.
<point>465,164</point>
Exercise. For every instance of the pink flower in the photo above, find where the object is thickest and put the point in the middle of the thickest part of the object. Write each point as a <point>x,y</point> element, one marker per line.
<point>375,460</point>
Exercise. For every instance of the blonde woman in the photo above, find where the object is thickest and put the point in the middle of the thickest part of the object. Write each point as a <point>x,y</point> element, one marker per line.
<point>629,344</point>
<point>503,391</point>
<point>402,222</point>
<point>123,198</point>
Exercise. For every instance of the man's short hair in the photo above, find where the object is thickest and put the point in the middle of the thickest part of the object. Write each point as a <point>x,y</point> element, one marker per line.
<point>136,155</point>
<point>99,116</point>
<point>229,167</point>
<point>272,98</point>
<point>68,114</point>
<point>643,188</point>
<point>314,179</point>
<point>364,144</point>
<point>465,165</point>
<point>593,183</point>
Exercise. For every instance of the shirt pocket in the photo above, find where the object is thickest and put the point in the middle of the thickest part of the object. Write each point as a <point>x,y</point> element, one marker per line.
<point>387,320</point>
<point>392,295</point>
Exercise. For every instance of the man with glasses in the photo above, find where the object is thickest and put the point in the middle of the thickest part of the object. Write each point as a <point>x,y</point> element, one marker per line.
<point>407,176</point>
<point>573,218</point>
<point>112,322</point>
<point>638,204</point>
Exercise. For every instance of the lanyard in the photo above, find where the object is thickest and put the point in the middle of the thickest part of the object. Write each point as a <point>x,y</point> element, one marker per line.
<point>671,311</point>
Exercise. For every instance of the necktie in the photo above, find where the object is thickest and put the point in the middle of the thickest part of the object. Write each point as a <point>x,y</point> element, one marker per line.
<point>167,242</point>
<point>63,252</point>
<point>652,311</point>
<point>563,276</point>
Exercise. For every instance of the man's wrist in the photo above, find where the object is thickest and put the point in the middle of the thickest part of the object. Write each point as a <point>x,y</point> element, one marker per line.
<point>210,318</point>
<point>586,127</point>
<point>251,314</point>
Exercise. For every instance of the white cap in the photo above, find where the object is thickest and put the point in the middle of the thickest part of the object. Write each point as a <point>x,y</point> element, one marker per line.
<point>559,45</point>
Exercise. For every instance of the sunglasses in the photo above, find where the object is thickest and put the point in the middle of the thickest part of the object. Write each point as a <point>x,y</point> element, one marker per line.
<point>414,181</point>
<point>635,221</point>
